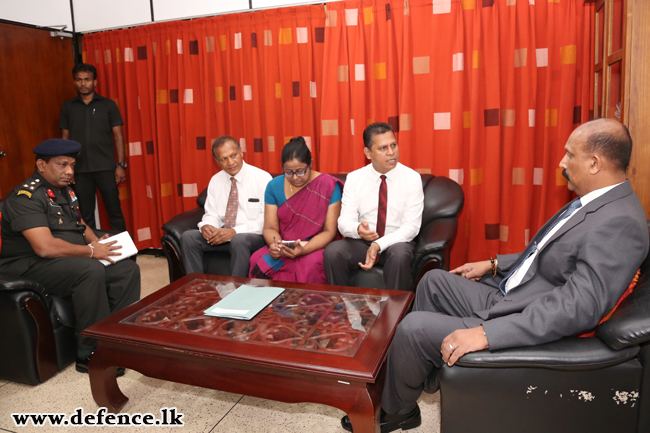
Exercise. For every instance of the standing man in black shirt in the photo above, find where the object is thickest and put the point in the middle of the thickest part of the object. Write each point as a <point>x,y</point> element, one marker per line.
<point>96,123</point>
<point>44,239</point>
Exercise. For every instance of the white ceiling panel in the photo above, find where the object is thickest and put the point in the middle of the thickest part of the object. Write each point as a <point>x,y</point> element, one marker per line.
<point>279,3</point>
<point>91,15</point>
<point>37,12</point>
<point>165,10</point>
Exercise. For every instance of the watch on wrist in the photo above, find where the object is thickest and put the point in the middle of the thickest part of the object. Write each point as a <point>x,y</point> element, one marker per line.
<point>122,164</point>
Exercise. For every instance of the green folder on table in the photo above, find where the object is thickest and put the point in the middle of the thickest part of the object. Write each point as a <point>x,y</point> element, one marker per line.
<point>244,303</point>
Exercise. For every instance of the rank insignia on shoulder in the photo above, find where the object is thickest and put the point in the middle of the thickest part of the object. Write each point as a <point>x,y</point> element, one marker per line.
<point>73,196</point>
<point>23,192</point>
<point>50,193</point>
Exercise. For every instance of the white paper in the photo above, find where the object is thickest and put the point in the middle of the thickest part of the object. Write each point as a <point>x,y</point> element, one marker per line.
<point>128,247</point>
<point>224,311</point>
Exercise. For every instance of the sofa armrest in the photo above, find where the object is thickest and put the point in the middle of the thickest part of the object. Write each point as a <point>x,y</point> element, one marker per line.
<point>185,221</point>
<point>565,354</point>
<point>10,283</point>
<point>630,323</point>
<point>434,238</point>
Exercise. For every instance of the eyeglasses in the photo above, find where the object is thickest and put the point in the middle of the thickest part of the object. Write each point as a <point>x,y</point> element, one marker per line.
<point>299,173</point>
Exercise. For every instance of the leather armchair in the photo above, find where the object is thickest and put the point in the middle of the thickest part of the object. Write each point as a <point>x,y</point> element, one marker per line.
<point>599,384</point>
<point>36,330</point>
<point>443,200</point>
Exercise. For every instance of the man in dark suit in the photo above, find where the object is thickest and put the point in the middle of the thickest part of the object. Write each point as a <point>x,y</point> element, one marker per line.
<point>571,274</point>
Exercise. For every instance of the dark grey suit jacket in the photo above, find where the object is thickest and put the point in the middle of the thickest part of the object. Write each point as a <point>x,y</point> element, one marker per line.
<point>576,278</point>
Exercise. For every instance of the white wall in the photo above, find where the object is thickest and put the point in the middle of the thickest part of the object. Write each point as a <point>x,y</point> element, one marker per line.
<point>258,4</point>
<point>44,13</point>
<point>94,15</point>
<point>165,10</point>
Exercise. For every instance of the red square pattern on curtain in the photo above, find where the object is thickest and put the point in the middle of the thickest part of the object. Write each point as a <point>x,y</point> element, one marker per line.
<point>180,85</point>
<point>485,92</point>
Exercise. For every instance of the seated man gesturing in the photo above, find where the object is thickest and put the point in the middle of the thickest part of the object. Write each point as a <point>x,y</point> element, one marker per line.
<point>571,274</point>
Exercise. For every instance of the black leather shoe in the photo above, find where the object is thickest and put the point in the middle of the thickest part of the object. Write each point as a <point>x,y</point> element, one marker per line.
<point>82,366</point>
<point>392,422</point>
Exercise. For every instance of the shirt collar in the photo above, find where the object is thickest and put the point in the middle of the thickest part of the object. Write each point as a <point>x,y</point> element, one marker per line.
<point>96,97</point>
<point>59,193</point>
<point>593,195</point>
<point>375,175</point>
<point>242,172</point>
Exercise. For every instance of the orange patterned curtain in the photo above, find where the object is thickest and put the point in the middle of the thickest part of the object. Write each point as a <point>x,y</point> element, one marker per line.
<point>180,85</point>
<point>485,92</point>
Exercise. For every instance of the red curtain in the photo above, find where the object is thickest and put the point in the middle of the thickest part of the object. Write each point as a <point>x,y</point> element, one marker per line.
<point>483,91</point>
<point>180,85</point>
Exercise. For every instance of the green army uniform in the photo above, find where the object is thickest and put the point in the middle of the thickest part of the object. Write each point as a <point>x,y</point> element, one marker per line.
<point>96,290</point>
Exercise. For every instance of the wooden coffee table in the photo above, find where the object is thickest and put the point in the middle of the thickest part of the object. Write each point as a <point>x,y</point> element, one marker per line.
<point>314,343</point>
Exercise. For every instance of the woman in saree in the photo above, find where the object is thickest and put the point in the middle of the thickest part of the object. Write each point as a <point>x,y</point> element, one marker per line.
<point>302,207</point>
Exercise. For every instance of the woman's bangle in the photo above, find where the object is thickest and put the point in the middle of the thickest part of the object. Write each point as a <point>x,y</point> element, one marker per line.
<point>494,262</point>
<point>92,251</point>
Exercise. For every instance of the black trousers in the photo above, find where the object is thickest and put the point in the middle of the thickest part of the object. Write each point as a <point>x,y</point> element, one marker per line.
<point>342,256</point>
<point>86,184</point>
<point>96,290</point>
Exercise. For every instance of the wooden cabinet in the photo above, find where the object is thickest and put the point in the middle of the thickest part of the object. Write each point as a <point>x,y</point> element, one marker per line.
<point>622,79</point>
<point>610,50</point>
<point>636,90</point>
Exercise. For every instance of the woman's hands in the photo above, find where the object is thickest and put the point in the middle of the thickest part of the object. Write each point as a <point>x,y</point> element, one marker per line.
<point>274,249</point>
<point>292,253</point>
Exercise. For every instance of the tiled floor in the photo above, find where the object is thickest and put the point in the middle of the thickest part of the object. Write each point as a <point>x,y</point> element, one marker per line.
<point>204,410</point>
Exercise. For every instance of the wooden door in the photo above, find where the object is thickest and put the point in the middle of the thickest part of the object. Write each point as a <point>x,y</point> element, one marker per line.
<point>35,80</point>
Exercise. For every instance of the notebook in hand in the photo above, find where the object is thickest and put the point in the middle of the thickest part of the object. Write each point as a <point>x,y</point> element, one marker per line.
<point>128,247</point>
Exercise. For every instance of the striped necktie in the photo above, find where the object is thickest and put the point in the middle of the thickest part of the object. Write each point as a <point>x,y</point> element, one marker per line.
<point>532,247</point>
<point>233,204</point>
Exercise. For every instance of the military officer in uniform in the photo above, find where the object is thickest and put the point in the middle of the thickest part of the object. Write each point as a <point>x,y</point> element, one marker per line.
<point>44,239</point>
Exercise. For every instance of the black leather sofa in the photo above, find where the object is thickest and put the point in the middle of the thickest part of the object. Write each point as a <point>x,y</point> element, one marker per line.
<point>599,384</point>
<point>36,330</point>
<point>443,200</point>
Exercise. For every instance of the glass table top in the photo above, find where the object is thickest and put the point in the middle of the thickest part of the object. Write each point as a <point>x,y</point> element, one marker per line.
<point>315,321</point>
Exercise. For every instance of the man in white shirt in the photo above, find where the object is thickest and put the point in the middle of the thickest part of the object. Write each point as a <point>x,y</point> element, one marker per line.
<point>234,212</point>
<point>381,213</point>
<point>571,274</point>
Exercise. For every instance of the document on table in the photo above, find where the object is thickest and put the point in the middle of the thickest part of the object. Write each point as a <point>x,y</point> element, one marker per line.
<point>244,303</point>
<point>128,247</point>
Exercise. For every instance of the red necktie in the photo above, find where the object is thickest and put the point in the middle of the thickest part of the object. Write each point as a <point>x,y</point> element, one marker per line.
<point>233,204</point>
<point>381,208</point>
